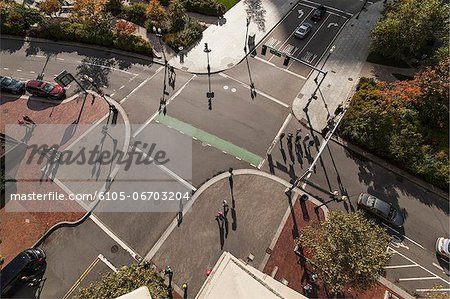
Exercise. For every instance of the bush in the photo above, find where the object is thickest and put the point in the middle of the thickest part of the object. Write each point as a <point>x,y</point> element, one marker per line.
<point>115,7</point>
<point>185,38</point>
<point>134,44</point>
<point>136,13</point>
<point>206,7</point>
<point>16,19</point>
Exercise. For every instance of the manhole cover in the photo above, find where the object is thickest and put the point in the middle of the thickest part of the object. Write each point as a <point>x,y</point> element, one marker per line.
<point>350,79</point>
<point>268,250</point>
<point>114,248</point>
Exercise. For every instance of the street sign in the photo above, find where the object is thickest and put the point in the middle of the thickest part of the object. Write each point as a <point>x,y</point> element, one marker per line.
<point>275,52</point>
<point>64,78</point>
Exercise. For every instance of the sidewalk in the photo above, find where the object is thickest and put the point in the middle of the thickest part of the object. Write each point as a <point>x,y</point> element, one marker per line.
<point>344,66</point>
<point>227,39</point>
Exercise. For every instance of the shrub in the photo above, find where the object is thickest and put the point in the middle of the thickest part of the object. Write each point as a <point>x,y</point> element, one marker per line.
<point>134,44</point>
<point>136,13</point>
<point>206,7</point>
<point>115,7</point>
<point>16,19</point>
<point>186,37</point>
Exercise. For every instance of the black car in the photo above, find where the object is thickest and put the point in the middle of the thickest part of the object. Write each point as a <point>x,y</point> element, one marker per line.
<point>381,209</point>
<point>11,85</point>
<point>28,264</point>
<point>318,13</point>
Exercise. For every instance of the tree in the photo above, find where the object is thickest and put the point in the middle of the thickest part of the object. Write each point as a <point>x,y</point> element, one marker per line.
<point>127,279</point>
<point>90,12</point>
<point>115,7</point>
<point>136,13</point>
<point>407,27</point>
<point>124,28</point>
<point>50,7</point>
<point>155,11</point>
<point>177,15</point>
<point>348,251</point>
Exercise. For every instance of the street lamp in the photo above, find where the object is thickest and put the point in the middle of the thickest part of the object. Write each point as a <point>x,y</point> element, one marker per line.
<point>209,94</point>
<point>162,103</point>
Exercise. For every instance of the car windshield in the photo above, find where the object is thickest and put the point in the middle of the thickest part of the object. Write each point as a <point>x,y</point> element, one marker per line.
<point>392,213</point>
<point>48,87</point>
<point>302,29</point>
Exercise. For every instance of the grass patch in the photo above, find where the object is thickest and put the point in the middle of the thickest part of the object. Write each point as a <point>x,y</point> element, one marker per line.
<point>402,77</point>
<point>377,58</point>
<point>228,3</point>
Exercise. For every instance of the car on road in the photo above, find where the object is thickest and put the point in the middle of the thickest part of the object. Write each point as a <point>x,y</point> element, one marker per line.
<point>24,267</point>
<point>45,89</point>
<point>302,30</point>
<point>318,13</point>
<point>11,85</point>
<point>381,209</point>
<point>443,246</point>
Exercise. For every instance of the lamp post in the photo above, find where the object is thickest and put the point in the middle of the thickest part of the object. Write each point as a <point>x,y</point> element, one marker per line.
<point>209,94</point>
<point>364,5</point>
<point>162,103</point>
<point>246,34</point>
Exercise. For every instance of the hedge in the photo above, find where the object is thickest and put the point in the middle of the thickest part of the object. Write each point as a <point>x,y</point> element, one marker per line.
<point>185,38</point>
<point>206,7</point>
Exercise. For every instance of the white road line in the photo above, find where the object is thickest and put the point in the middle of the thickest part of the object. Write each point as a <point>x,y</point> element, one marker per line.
<point>409,239</point>
<point>312,37</point>
<point>39,56</point>
<point>225,152</point>
<point>115,238</point>
<point>107,263</point>
<point>419,278</point>
<point>277,137</point>
<point>140,85</point>
<point>19,70</point>
<point>257,91</point>
<point>329,7</point>
<point>167,103</point>
<point>280,68</point>
<point>32,72</point>
<point>400,266</point>
<point>423,268</point>
<point>432,290</point>
<point>62,59</point>
<point>5,68</point>
<point>168,171</point>
<point>132,78</point>
<point>111,95</point>
<point>437,266</point>
<point>106,67</point>
<point>121,87</point>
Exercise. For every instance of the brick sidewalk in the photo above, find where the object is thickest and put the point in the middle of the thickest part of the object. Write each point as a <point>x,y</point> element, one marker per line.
<point>295,270</point>
<point>20,230</point>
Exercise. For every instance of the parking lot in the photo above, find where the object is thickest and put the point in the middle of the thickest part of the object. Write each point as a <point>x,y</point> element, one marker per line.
<point>309,49</point>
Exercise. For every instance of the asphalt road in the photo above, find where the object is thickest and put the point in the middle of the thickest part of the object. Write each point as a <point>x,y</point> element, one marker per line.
<point>238,132</point>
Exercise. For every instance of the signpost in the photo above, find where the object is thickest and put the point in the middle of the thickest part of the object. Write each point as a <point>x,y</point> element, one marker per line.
<point>64,78</point>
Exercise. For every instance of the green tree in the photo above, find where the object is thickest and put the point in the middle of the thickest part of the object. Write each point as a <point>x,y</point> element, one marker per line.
<point>177,15</point>
<point>50,7</point>
<point>136,13</point>
<point>127,279</point>
<point>348,251</point>
<point>115,7</point>
<point>408,26</point>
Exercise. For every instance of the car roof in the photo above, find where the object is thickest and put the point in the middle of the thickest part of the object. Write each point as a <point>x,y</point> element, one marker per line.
<point>13,268</point>
<point>35,83</point>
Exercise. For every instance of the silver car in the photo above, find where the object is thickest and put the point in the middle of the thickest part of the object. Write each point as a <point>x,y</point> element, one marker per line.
<point>302,30</point>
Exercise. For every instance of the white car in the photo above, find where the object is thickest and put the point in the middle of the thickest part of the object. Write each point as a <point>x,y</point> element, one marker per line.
<point>302,30</point>
<point>443,246</point>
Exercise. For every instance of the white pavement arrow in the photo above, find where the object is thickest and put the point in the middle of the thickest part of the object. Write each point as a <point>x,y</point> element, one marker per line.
<point>300,13</point>
<point>332,24</point>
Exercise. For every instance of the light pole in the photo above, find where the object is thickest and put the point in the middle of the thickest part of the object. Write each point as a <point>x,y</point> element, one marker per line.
<point>162,103</point>
<point>209,94</point>
<point>246,34</point>
<point>364,5</point>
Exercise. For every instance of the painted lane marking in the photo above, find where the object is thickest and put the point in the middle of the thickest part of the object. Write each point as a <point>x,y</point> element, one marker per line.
<point>32,72</point>
<point>113,236</point>
<point>210,139</point>
<point>257,91</point>
<point>300,13</point>
<point>80,279</point>
<point>19,70</point>
<point>433,290</point>
<point>280,68</point>
<point>61,59</point>
<point>167,103</point>
<point>140,85</point>
<point>106,67</point>
<point>409,239</point>
<point>437,266</point>
<point>332,24</point>
<point>107,263</point>
<point>419,278</point>
<point>5,68</point>
<point>400,266</point>
<point>277,136</point>
<point>121,87</point>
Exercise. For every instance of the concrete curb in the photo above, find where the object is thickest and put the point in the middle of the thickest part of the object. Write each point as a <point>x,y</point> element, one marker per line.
<point>395,288</point>
<point>380,162</point>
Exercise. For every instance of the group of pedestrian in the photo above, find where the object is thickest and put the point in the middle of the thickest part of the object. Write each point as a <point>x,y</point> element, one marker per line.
<point>297,142</point>
<point>222,221</point>
<point>168,271</point>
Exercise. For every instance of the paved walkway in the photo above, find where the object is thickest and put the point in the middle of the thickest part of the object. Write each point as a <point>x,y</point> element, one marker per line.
<point>343,66</point>
<point>227,38</point>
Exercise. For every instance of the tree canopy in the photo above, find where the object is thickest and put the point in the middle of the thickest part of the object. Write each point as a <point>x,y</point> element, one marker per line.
<point>156,12</point>
<point>50,7</point>
<point>408,26</point>
<point>127,279</point>
<point>348,251</point>
<point>90,12</point>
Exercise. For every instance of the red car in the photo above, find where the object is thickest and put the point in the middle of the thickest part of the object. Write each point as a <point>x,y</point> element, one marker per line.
<point>45,89</point>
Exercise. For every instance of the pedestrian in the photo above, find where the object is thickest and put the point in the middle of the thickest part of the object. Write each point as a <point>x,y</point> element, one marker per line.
<point>298,138</point>
<point>184,287</point>
<point>225,205</point>
<point>297,133</point>
<point>282,136</point>
<point>306,137</point>
<point>289,137</point>
<point>307,289</point>
<point>221,215</point>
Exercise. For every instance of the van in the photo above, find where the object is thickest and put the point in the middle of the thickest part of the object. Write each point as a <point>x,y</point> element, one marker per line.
<point>27,264</point>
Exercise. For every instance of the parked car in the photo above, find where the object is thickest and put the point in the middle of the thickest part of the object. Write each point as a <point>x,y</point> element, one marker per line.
<point>381,209</point>
<point>443,246</point>
<point>318,13</point>
<point>11,85</point>
<point>24,266</point>
<point>45,89</point>
<point>302,30</point>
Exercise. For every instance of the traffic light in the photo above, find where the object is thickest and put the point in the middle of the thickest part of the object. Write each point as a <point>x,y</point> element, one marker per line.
<point>286,60</point>
<point>263,50</point>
